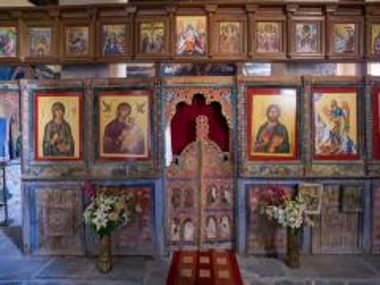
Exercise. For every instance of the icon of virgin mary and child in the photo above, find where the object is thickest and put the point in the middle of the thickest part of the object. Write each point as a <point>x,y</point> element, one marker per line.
<point>122,135</point>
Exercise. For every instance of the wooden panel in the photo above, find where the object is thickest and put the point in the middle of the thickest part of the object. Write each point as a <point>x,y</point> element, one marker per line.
<point>336,232</point>
<point>58,218</point>
<point>182,214</point>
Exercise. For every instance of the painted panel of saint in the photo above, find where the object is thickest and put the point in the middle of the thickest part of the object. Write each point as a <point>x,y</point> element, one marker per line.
<point>306,37</point>
<point>268,37</point>
<point>8,41</point>
<point>113,40</point>
<point>152,37</point>
<point>375,39</point>
<point>225,227</point>
<point>77,40</point>
<point>335,123</point>
<point>124,126</point>
<point>352,198</point>
<point>311,194</point>
<point>39,41</point>
<point>191,35</point>
<point>58,126</point>
<point>344,38</point>
<point>272,123</point>
<point>230,37</point>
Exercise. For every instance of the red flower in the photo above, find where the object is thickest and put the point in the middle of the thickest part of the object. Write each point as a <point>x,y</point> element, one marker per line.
<point>274,196</point>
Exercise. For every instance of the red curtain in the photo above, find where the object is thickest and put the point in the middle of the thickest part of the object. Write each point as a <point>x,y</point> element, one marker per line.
<point>183,124</point>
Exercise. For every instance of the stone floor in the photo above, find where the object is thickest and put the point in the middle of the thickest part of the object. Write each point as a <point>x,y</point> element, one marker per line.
<point>17,269</point>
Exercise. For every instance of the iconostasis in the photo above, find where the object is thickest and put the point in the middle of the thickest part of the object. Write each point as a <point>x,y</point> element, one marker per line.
<point>324,145</point>
<point>196,153</point>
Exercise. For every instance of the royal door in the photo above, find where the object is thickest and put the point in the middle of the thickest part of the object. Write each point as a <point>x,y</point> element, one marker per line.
<point>199,178</point>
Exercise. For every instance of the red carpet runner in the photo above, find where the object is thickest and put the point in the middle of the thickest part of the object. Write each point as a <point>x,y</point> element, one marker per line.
<point>204,268</point>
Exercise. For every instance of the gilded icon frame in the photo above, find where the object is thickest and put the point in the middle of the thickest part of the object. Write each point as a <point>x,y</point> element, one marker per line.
<point>229,36</point>
<point>344,37</point>
<point>373,41</point>
<point>10,51</point>
<point>77,40</point>
<point>39,41</point>
<point>277,31</point>
<point>311,45</point>
<point>113,39</point>
<point>124,138</point>
<point>330,106</point>
<point>51,142</point>
<point>184,39</point>
<point>266,143</point>
<point>146,29</point>
<point>311,194</point>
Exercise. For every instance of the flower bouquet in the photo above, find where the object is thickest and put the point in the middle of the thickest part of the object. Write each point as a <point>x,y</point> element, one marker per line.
<point>288,213</point>
<point>105,213</point>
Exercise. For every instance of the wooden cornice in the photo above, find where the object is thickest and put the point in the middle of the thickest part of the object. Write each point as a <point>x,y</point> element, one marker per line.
<point>248,12</point>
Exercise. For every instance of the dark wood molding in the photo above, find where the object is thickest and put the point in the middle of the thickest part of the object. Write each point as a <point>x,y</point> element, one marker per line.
<point>364,15</point>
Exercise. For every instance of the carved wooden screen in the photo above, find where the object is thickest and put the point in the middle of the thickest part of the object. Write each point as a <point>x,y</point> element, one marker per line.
<point>200,196</point>
<point>200,193</point>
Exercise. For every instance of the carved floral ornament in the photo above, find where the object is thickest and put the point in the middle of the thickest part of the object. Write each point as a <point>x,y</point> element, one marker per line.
<point>174,96</point>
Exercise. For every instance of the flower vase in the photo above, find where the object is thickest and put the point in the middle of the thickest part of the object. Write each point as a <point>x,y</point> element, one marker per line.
<point>105,257</point>
<point>293,254</point>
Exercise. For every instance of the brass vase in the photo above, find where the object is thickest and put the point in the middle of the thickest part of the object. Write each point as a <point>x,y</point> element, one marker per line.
<point>292,253</point>
<point>105,256</point>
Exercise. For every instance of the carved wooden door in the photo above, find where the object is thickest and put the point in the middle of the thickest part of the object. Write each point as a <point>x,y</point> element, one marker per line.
<point>200,195</point>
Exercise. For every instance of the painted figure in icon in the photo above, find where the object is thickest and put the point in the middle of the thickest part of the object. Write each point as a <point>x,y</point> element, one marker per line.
<point>191,38</point>
<point>332,136</point>
<point>188,199</point>
<point>58,139</point>
<point>175,229</point>
<point>344,38</point>
<point>122,135</point>
<point>211,195</point>
<point>77,40</point>
<point>272,136</point>
<point>176,198</point>
<point>211,227</point>
<point>268,37</point>
<point>226,195</point>
<point>229,37</point>
<point>40,41</point>
<point>188,230</point>
<point>376,46</point>
<point>224,225</point>
<point>306,38</point>
<point>8,38</point>
<point>152,37</point>
<point>113,37</point>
